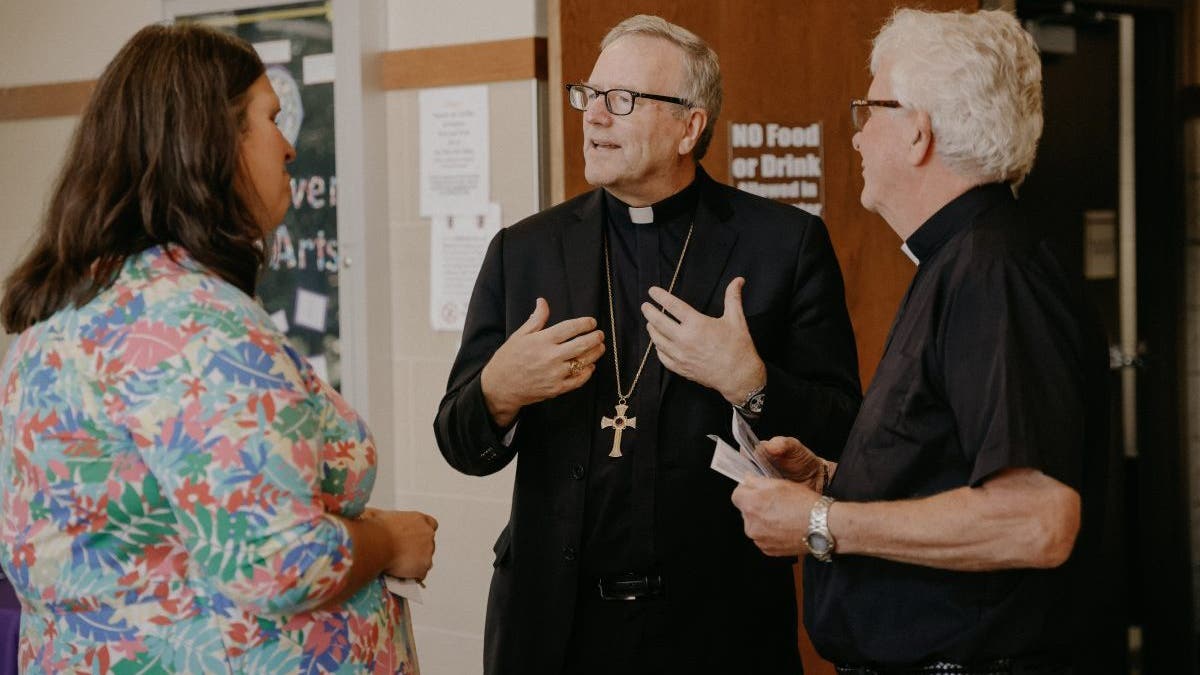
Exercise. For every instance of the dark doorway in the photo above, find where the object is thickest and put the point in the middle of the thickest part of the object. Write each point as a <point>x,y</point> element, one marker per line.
<point>1141,594</point>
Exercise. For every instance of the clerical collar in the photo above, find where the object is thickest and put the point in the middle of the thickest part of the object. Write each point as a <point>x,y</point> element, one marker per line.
<point>957,215</point>
<point>681,203</point>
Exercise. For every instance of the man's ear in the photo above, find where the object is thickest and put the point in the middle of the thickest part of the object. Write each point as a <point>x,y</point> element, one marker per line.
<point>696,119</point>
<point>920,148</point>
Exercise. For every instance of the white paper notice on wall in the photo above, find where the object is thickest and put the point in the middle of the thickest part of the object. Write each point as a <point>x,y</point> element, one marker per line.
<point>454,152</point>
<point>457,247</point>
<point>318,68</point>
<point>274,51</point>
<point>280,320</point>
<point>310,310</point>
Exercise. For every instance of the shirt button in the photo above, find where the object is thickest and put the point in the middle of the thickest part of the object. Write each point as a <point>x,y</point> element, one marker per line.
<point>568,553</point>
<point>576,471</point>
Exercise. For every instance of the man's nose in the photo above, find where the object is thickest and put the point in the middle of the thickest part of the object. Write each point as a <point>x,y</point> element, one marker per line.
<point>597,112</point>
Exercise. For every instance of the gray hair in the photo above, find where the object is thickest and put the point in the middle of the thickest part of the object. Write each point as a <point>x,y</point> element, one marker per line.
<point>979,78</point>
<point>701,71</point>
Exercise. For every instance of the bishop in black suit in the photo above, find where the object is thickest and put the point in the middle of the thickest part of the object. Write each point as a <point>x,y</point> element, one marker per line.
<point>606,338</point>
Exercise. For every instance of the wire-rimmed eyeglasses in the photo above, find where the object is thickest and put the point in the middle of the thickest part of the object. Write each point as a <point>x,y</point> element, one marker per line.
<point>860,110</point>
<point>618,101</point>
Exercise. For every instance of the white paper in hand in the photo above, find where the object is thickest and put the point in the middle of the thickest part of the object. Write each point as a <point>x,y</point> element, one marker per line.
<point>405,588</point>
<point>752,448</point>
<point>729,462</point>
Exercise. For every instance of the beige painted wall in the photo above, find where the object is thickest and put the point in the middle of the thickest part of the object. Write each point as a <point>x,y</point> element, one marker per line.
<point>471,511</point>
<point>64,40</point>
<point>40,42</point>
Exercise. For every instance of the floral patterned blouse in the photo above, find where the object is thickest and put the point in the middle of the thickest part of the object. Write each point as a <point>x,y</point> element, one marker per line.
<point>168,467</point>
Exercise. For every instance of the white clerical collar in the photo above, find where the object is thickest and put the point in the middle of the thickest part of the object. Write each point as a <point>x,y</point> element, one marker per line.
<point>908,252</point>
<point>641,215</point>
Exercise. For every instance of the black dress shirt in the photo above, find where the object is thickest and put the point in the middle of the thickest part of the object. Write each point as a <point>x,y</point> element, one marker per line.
<point>616,518</point>
<point>994,361</point>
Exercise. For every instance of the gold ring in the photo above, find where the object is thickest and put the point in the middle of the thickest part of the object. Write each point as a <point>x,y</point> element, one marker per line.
<point>576,365</point>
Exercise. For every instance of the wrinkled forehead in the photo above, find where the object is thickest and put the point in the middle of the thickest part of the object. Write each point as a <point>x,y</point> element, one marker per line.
<point>642,63</point>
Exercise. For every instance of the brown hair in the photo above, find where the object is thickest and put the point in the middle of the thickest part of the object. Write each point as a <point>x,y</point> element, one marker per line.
<point>154,161</point>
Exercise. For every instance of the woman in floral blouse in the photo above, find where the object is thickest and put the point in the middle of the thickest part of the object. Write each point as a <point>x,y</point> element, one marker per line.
<point>179,492</point>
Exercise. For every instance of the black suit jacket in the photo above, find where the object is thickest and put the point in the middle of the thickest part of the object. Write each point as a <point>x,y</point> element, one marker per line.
<point>733,607</point>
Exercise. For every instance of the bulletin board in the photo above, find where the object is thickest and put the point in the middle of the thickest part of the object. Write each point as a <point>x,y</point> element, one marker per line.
<point>299,287</point>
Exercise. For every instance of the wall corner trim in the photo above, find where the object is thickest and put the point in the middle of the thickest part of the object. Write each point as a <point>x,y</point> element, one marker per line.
<point>471,63</point>
<point>56,99</point>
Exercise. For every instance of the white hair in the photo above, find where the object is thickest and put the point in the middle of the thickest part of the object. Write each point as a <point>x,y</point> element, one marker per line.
<point>979,78</point>
<point>701,70</point>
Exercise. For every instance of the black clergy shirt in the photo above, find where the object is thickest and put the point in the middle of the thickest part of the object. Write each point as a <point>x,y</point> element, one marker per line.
<point>994,361</point>
<point>617,521</point>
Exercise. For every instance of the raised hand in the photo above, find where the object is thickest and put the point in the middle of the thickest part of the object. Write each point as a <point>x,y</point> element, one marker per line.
<point>715,352</point>
<point>537,363</point>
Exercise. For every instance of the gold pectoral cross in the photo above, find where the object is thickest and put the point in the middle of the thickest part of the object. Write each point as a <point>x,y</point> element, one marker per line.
<point>618,425</point>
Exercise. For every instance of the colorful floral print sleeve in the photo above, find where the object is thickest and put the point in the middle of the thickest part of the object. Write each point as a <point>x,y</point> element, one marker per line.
<point>167,470</point>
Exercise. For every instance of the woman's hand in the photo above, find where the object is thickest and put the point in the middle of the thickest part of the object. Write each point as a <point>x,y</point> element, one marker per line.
<point>412,534</point>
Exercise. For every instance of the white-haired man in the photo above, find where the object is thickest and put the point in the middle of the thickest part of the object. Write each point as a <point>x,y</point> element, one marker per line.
<point>623,553</point>
<point>946,540</point>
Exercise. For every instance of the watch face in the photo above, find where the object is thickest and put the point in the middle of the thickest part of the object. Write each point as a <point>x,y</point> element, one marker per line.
<point>818,543</point>
<point>756,403</point>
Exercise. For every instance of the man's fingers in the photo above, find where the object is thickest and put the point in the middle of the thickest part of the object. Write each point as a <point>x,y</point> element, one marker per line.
<point>677,308</point>
<point>744,495</point>
<point>536,320</point>
<point>753,483</point>
<point>661,344</point>
<point>739,497</point>
<point>776,449</point>
<point>581,364</point>
<point>579,345</point>
<point>569,328</point>
<point>592,355</point>
<point>733,300</point>
<point>666,326</point>
<point>578,376</point>
<point>782,445</point>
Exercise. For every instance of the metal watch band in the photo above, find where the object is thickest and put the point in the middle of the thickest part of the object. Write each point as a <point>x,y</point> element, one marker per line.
<point>753,405</point>
<point>818,529</point>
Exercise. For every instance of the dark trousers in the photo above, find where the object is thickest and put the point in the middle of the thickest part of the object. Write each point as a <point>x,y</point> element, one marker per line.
<point>616,636</point>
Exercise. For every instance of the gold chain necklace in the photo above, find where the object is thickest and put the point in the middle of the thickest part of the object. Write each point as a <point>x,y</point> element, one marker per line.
<point>620,421</point>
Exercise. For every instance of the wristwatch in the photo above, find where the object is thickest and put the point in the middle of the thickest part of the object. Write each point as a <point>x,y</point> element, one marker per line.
<point>820,542</point>
<point>753,405</point>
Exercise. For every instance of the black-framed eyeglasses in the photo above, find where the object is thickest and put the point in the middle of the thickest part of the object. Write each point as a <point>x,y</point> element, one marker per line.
<point>860,110</point>
<point>618,101</point>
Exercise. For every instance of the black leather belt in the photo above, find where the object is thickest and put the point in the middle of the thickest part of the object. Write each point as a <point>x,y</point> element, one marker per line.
<point>630,586</point>
<point>997,667</point>
<point>1002,667</point>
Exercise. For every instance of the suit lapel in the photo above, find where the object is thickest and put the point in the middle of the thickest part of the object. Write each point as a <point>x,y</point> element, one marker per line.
<point>708,252</point>
<point>580,249</point>
<point>581,245</point>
